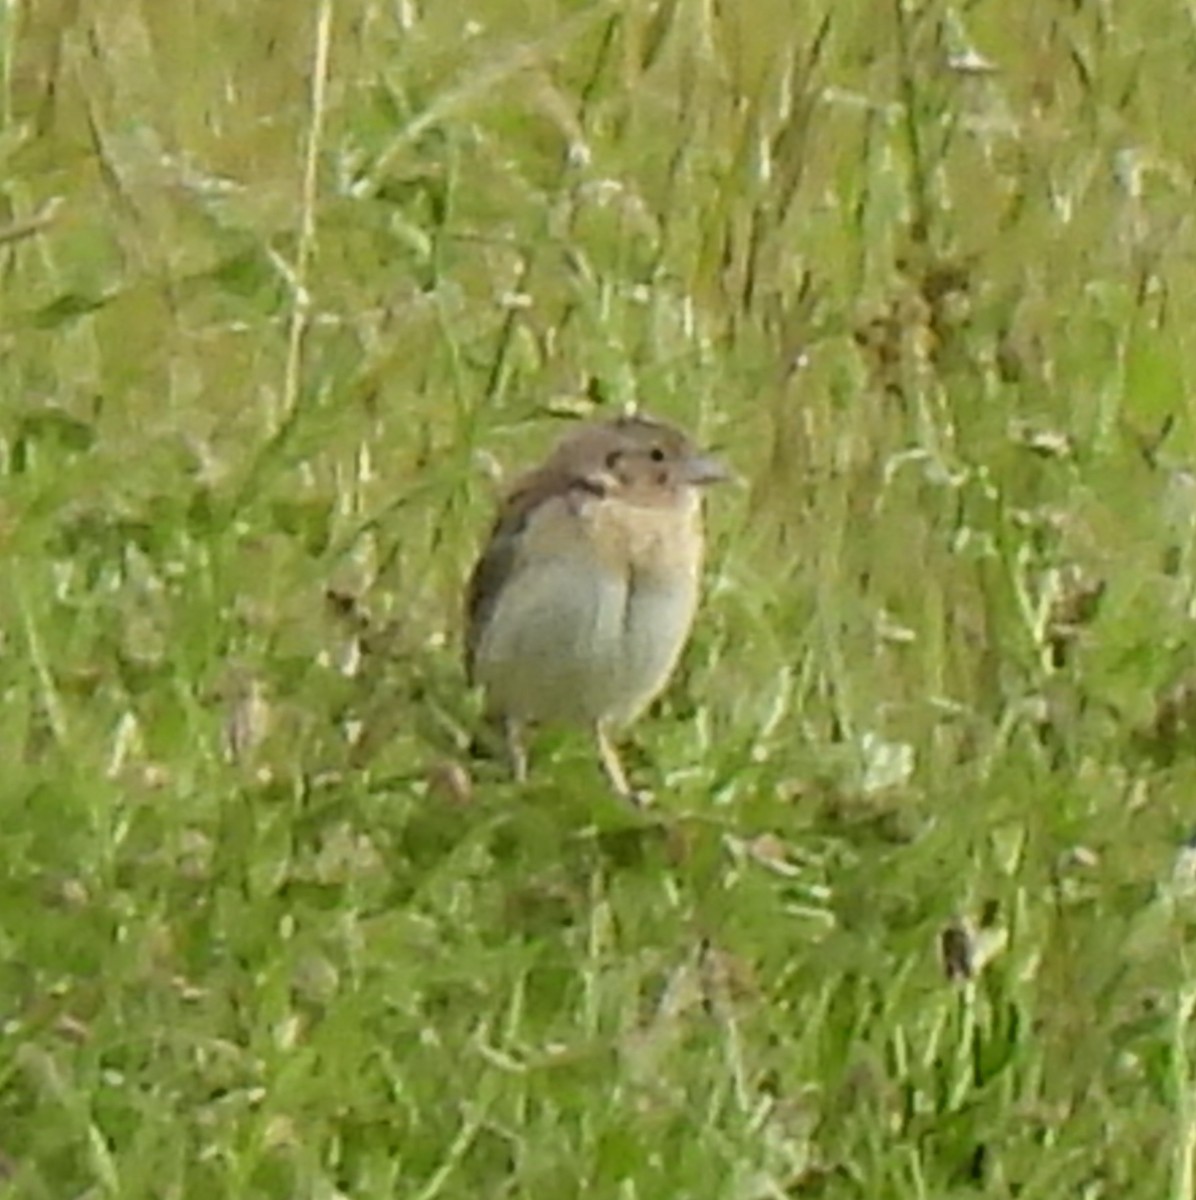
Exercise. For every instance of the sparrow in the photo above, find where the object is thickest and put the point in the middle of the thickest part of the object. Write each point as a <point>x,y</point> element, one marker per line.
<point>582,600</point>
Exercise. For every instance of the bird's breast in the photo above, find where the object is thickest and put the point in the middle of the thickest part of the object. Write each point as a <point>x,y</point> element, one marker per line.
<point>577,639</point>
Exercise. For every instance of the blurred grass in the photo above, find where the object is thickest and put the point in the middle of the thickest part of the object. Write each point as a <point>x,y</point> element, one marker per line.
<point>924,272</point>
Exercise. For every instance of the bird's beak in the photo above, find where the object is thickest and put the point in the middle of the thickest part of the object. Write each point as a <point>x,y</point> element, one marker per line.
<point>703,469</point>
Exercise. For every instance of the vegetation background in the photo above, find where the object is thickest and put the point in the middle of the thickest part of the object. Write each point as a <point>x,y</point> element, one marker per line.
<point>284,286</point>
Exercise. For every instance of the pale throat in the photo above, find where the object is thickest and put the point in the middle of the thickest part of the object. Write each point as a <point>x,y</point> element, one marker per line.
<point>653,542</point>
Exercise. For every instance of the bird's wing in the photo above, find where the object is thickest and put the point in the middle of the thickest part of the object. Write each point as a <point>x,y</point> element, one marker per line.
<point>499,558</point>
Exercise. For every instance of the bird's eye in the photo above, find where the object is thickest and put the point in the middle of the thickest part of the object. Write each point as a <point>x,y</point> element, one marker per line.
<point>656,454</point>
<point>612,459</point>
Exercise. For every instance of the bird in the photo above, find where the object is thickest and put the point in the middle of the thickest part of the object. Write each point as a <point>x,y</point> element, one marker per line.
<point>583,598</point>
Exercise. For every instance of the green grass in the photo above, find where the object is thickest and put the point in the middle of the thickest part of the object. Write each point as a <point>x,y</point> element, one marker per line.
<point>281,285</point>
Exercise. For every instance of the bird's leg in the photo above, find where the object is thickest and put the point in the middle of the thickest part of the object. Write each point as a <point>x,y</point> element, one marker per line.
<point>612,765</point>
<point>516,752</point>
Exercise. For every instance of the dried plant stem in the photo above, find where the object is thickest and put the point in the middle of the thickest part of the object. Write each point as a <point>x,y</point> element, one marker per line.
<point>301,297</point>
